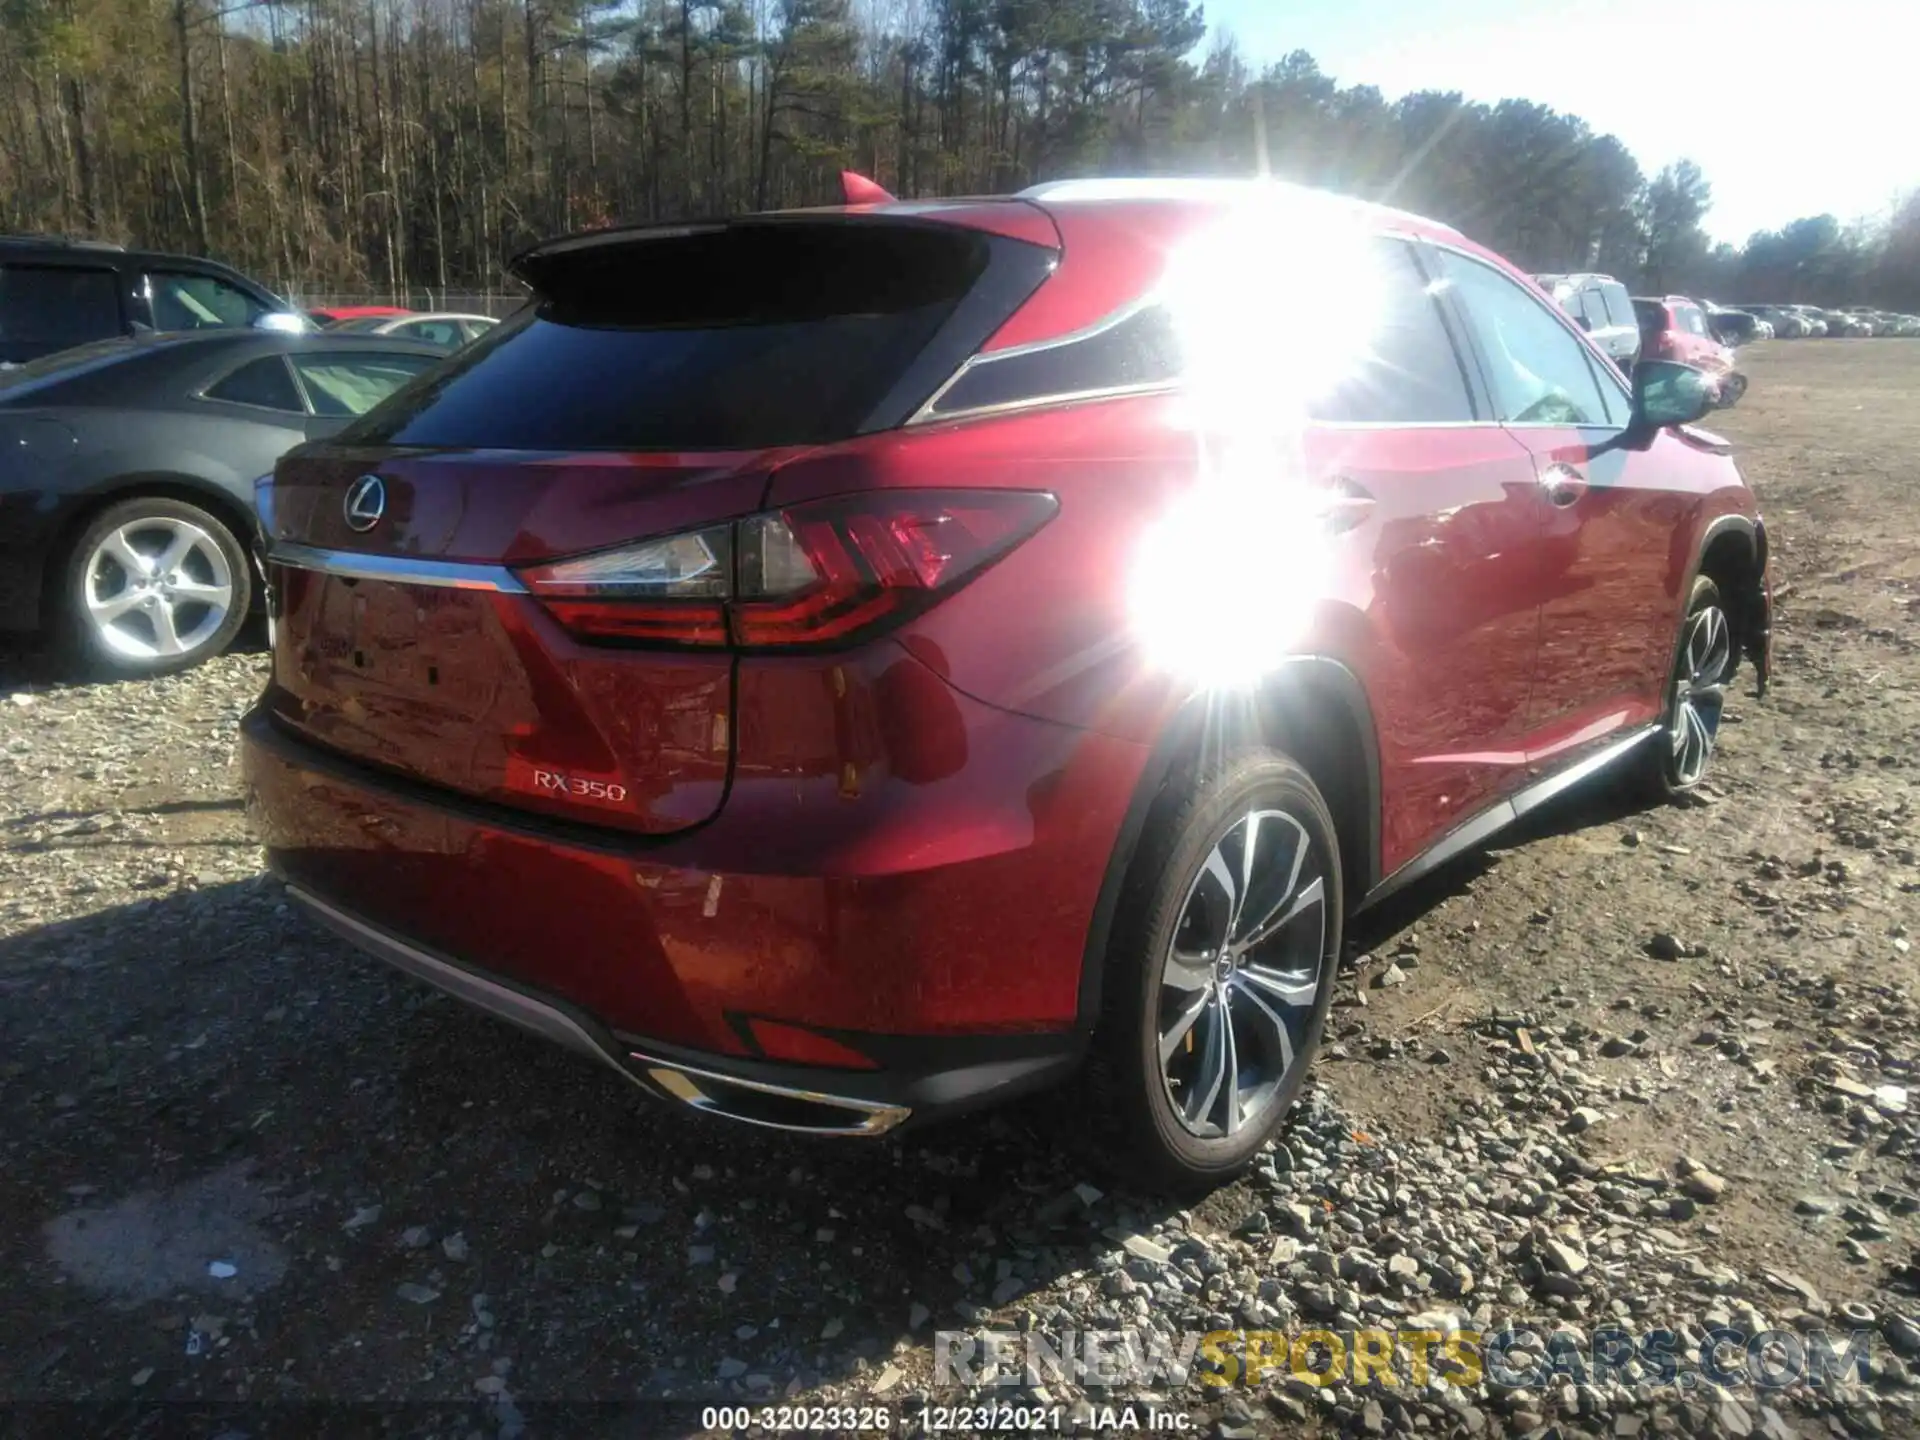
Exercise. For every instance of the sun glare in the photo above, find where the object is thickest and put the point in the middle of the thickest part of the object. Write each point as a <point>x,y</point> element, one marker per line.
<point>1273,306</point>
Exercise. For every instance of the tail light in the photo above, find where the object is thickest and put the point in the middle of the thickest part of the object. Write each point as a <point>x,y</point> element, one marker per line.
<point>825,573</point>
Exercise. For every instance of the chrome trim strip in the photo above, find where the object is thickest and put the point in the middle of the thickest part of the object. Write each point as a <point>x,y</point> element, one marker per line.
<point>1534,796</point>
<point>400,569</point>
<point>1497,816</point>
<point>476,990</point>
<point>682,1082</point>
<point>1043,402</point>
<point>1119,316</point>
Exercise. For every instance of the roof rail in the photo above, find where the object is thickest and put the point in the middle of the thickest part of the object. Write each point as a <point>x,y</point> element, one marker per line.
<point>70,242</point>
<point>1203,189</point>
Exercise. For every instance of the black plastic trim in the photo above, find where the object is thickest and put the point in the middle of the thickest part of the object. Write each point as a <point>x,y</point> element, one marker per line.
<point>1176,739</point>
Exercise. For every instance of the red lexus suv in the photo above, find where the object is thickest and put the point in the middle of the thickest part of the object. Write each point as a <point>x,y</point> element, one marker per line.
<point>844,667</point>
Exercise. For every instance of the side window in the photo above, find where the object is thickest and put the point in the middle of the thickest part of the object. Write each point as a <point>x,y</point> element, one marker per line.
<point>444,333</point>
<point>1594,306</point>
<point>1619,304</point>
<point>198,302</point>
<point>346,385</point>
<point>44,308</point>
<point>1137,352</point>
<point>1411,374</point>
<point>1537,370</point>
<point>265,382</point>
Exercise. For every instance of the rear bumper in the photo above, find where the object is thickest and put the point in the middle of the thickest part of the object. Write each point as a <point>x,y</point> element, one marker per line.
<point>951,959</point>
<point>780,1097</point>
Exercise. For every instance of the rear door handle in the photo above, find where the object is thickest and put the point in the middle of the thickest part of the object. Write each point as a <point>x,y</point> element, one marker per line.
<point>1562,485</point>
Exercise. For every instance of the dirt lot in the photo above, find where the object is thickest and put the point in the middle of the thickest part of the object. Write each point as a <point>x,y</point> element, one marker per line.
<point>246,1170</point>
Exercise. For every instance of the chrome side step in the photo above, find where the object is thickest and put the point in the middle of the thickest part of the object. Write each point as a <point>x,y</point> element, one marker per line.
<point>752,1102</point>
<point>1502,813</point>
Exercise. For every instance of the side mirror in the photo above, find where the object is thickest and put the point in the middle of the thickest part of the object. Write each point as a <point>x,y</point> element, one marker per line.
<point>1666,393</point>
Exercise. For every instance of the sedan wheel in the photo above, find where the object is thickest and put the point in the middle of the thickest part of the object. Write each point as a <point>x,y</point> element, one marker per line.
<point>156,585</point>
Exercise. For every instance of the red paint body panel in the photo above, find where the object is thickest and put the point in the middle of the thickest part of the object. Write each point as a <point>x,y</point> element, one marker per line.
<point>333,314</point>
<point>894,857</point>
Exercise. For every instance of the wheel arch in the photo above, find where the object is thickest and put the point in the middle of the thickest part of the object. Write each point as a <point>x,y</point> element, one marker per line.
<point>163,484</point>
<point>1315,710</point>
<point>1732,552</point>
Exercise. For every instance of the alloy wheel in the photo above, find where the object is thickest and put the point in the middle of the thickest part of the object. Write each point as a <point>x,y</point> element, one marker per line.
<point>1699,692</point>
<point>157,587</point>
<point>1241,979</point>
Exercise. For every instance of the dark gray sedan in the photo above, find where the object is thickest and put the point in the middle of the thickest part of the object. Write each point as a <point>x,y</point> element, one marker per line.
<point>126,480</point>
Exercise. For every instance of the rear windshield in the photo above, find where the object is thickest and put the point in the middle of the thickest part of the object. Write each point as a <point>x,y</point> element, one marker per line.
<point>716,338</point>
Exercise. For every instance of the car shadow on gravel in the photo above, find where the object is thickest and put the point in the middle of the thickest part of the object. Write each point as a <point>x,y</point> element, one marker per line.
<point>416,1191</point>
<point>449,1193</point>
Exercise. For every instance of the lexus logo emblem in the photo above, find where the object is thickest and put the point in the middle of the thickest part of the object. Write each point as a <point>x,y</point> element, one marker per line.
<point>366,502</point>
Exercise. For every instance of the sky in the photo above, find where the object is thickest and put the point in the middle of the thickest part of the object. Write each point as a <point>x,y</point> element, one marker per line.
<point>1790,109</point>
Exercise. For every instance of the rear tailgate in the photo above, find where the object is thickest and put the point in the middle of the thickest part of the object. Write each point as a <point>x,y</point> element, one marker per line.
<point>655,387</point>
<point>470,685</point>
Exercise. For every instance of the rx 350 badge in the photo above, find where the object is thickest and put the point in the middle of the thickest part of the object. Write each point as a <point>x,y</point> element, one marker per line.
<point>554,783</point>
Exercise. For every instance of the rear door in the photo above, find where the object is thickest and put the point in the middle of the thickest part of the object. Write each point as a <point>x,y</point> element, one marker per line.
<point>650,394</point>
<point>1441,507</point>
<point>1610,524</point>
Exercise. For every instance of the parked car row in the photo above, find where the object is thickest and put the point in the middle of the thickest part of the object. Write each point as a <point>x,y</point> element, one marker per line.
<point>1628,328</point>
<point>1595,302</point>
<point>1796,322</point>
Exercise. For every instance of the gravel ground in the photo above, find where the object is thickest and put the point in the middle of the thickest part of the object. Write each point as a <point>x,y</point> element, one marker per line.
<point>1633,1069</point>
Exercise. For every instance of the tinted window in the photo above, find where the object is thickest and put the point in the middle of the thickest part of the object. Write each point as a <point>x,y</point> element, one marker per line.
<point>1619,306</point>
<point>339,385</point>
<point>259,382</point>
<point>1139,351</point>
<point>715,338</point>
<point>49,307</point>
<point>444,333</point>
<point>198,302</point>
<point>1411,373</point>
<point>1538,371</point>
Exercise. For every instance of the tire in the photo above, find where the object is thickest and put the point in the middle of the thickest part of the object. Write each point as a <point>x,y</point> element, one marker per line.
<point>120,619</point>
<point>1677,758</point>
<point>1159,1115</point>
